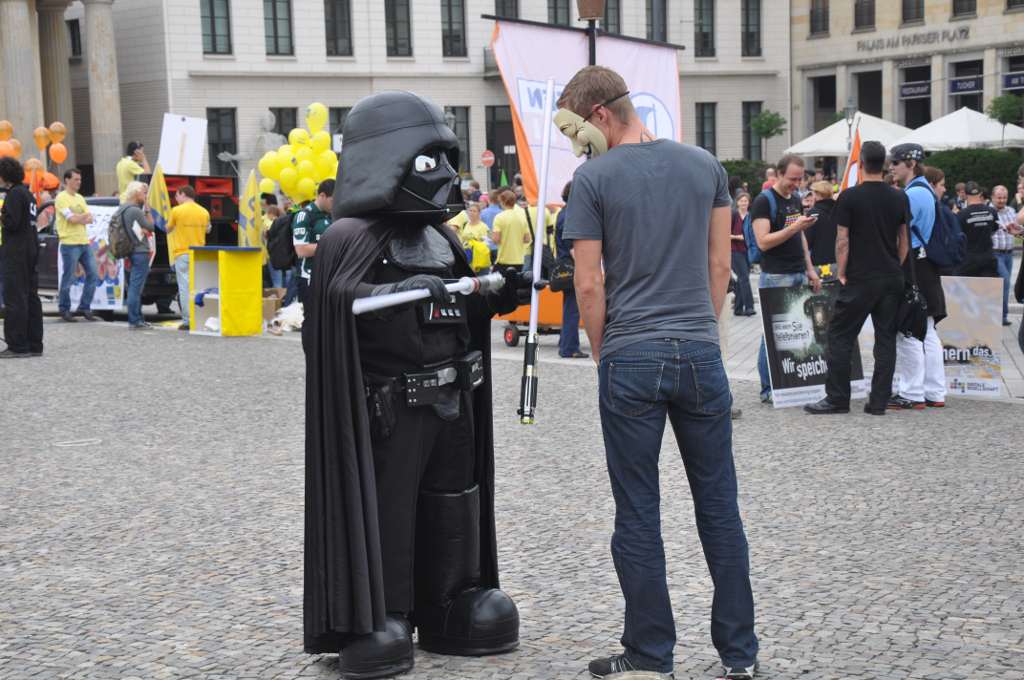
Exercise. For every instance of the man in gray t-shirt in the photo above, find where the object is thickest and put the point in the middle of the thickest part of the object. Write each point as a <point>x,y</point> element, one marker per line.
<point>650,222</point>
<point>135,217</point>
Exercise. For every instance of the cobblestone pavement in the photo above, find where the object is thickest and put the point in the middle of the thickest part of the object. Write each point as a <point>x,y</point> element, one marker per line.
<point>151,525</point>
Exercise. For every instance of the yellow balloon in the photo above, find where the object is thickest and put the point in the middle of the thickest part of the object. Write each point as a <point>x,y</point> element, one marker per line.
<point>321,141</point>
<point>285,156</point>
<point>289,178</point>
<point>266,186</point>
<point>325,162</point>
<point>304,153</point>
<point>306,169</point>
<point>306,188</point>
<point>316,117</point>
<point>269,165</point>
<point>298,137</point>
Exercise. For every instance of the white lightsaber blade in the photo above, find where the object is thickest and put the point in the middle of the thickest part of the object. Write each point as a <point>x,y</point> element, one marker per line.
<point>466,286</point>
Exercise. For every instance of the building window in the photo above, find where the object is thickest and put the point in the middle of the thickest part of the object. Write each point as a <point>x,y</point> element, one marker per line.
<point>453,28</point>
<point>338,14</point>
<point>506,8</point>
<point>612,21</point>
<point>337,115</point>
<point>461,130</point>
<point>706,126</point>
<point>913,11</point>
<point>277,24</point>
<point>1014,4</point>
<point>216,19</point>
<point>221,136</point>
<point>966,85</point>
<point>75,34</point>
<point>819,17</point>
<point>399,29</point>
<point>501,139</point>
<point>558,12</point>
<point>750,27</point>
<point>864,14</point>
<point>657,20</point>
<point>285,119</point>
<point>751,141</point>
<point>704,28</point>
<point>965,8</point>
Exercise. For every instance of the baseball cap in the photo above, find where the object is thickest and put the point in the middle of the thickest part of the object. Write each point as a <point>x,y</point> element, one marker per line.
<point>972,189</point>
<point>907,152</point>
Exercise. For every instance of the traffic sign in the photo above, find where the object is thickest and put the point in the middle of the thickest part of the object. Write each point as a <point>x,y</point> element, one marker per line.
<point>487,158</point>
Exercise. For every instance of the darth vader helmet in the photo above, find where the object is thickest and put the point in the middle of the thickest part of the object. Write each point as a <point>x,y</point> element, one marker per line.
<point>398,158</point>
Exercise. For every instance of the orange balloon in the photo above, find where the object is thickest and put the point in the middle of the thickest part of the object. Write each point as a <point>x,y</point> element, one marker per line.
<point>50,181</point>
<point>34,164</point>
<point>57,132</point>
<point>17,148</point>
<point>58,153</point>
<point>41,136</point>
<point>6,130</point>
<point>6,149</point>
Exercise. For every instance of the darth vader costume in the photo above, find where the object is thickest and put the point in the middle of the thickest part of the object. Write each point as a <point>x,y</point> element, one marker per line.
<point>399,448</point>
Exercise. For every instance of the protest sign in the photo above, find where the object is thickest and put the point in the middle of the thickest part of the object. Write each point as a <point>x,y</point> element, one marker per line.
<point>971,336</point>
<point>110,287</point>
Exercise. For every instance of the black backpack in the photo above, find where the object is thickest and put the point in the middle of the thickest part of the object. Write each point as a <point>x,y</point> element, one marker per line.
<point>280,246</point>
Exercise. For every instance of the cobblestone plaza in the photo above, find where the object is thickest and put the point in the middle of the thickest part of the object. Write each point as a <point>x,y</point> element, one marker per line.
<point>151,525</point>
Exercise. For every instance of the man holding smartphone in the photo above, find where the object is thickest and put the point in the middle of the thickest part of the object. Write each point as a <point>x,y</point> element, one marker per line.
<point>779,225</point>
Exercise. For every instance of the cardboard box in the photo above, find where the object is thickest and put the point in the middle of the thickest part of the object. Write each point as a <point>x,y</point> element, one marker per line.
<point>272,299</point>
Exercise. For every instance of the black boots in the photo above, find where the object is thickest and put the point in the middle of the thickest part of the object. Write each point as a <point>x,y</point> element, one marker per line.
<point>454,614</point>
<point>379,655</point>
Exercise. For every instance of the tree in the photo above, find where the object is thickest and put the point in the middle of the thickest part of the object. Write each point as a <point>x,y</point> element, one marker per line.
<point>766,125</point>
<point>1006,109</point>
<point>987,167</point>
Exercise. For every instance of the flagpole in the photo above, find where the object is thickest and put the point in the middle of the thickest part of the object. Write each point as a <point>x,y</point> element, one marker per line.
<point>528,390</point>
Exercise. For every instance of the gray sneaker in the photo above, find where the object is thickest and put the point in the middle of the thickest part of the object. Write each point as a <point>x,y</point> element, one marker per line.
<point>739,672</point>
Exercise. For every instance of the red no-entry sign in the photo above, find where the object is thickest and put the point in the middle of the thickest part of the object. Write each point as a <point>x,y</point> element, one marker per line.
<point>487,158</point>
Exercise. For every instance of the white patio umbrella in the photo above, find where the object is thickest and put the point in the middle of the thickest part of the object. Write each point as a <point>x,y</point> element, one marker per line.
<point>832,141</point>
<point>965,129</point>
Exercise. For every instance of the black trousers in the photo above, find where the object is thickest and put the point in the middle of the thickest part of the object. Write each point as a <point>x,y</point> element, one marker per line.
<point>23,313</point>
<point>428,453</point>
<point>878,298</point>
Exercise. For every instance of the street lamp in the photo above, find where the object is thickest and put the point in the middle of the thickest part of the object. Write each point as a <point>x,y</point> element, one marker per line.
<point>590,11</point>
<point>851,113</point>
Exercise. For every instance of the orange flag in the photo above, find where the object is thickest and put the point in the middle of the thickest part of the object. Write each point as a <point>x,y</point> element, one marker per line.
<point>852,176</point>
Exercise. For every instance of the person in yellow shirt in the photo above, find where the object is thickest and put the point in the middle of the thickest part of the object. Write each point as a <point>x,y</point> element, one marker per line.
<point>130,167</point>
<point>187,226</point>
<point>73,216</point>
<point>475,238</point>
<point>511,233</point>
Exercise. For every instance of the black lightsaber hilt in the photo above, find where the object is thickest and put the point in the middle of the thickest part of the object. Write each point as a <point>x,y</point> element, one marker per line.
<point>528,388</point>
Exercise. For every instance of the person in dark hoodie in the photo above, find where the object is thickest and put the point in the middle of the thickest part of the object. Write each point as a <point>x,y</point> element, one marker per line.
<point>19,250</point>
<point>821,236</point>
<point>399,446</point>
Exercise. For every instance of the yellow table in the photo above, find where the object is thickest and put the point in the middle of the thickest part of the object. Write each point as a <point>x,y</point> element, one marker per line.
<point>237,303</point>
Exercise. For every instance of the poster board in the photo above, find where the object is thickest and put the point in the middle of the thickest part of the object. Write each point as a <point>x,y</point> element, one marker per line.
<point>971,336</point>
<point>182,143</point>
<point>109,293</point>
<point>795,322</point>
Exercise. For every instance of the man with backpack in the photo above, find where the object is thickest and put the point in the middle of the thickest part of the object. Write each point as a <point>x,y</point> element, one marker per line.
<point>920,367</point>
<point>778,226</point>
<point>135,218</point>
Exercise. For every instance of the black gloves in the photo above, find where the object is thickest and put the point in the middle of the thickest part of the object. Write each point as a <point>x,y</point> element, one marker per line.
<point>434,284</point>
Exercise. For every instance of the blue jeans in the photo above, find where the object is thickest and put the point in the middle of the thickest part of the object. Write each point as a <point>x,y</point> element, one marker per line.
<point>773,281</point>
<point>1004,262</point>
<point>292,285</point>
<point>744,299</point>
<point>639,386</point>
<point>569,336</point>
<point>280,278</point>
<point>70,257</point>
<point>136,282</point>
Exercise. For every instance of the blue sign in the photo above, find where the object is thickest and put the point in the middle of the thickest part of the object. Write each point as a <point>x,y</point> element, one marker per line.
<point>1013,81</point>
<point>969,85</point>
<point>917,90</point>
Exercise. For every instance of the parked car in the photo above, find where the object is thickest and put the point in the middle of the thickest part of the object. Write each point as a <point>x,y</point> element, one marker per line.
<point>161,285</point>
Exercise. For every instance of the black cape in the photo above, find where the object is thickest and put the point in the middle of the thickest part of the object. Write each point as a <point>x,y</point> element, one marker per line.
<point>344,591</point>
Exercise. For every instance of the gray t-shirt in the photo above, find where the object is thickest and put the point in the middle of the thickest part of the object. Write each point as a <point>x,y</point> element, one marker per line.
<point>650,205</point>
<point>134,216</point>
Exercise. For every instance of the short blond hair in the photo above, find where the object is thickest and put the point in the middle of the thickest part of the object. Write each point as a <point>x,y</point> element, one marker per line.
<point>822,189</point>
<point>594,85</point>
<point>133,187</point>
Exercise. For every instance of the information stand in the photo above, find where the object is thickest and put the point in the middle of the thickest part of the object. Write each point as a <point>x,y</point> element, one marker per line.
<point>233,277</point>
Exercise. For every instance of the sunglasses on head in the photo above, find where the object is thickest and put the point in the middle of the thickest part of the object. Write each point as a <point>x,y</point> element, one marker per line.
<point>604,103</point>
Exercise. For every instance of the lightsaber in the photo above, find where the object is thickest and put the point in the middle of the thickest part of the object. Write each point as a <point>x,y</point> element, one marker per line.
<point>467,285</point>
<point>528,389</point>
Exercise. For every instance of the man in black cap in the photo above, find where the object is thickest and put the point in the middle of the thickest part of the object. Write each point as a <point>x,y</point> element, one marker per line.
<point>920,366</point>
<point>871,245</point>
<point>978,221</point>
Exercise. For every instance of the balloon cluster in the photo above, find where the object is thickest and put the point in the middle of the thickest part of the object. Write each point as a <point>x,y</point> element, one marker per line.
<point>52,137</point>
<point>305,161</point>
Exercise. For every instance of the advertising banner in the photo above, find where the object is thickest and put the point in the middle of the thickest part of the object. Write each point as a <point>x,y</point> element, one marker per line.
<point>527,55</point>
<point>971,336</point>
<point>110,288</point>
<point>796,324</point>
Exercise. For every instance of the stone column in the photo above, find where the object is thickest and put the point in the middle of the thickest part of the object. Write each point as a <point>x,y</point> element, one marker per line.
<point>890,90</point>
<point>54,52</point>
<point>22,95</point>
<point>991,79</point>
<point>104,93</point>
<point>940,86</point>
